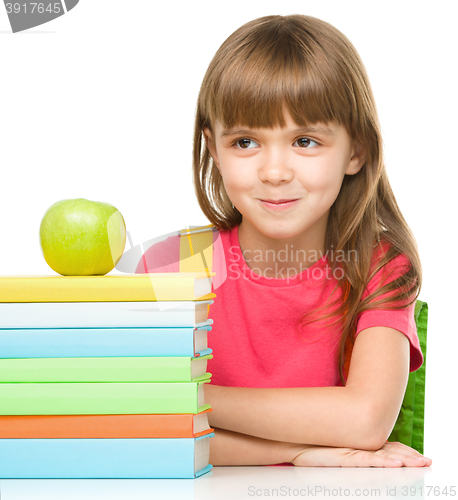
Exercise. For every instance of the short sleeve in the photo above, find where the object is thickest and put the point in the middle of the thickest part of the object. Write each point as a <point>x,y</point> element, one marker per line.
<point>162,257</point>
<point>402,320</point>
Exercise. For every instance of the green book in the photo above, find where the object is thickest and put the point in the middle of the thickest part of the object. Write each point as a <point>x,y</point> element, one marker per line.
<point>102,398</point>
<point>105,369</point>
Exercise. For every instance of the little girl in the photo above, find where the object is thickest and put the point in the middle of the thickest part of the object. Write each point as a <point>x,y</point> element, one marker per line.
<point>315,264</point>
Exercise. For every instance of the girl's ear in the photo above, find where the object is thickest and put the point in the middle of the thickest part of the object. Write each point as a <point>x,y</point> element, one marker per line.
<point>357,160</point>
<point>210,142</point>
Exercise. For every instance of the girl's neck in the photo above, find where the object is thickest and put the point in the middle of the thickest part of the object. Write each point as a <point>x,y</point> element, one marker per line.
<point>268,256</point>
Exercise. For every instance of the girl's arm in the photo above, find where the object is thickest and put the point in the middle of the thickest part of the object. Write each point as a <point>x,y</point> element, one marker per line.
<point>360,415</point>
<point>232,449</point>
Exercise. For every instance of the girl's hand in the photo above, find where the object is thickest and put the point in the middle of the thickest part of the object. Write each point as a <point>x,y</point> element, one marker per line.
<point>390,455</point>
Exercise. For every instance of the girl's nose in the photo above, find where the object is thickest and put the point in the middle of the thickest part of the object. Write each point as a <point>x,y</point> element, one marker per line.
<point>275,169</point>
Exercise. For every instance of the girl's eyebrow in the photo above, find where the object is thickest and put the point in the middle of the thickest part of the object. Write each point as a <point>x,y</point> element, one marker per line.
<point>231,131</point>
<point>317,129</point>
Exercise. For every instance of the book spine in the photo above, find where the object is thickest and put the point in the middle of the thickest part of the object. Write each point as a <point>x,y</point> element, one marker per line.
<point>98,398</point>
<point>96,342</point>
<point>103,314</point>
<point>98,458</point>
<point>139,287</point>
<point>98,426</point>
<point>111,369</point>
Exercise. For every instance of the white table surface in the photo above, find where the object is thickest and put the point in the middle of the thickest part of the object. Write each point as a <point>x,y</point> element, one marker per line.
<point>233,483</point>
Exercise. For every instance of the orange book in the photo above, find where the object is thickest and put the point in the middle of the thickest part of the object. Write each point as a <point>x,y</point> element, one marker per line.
<point>105,426</point>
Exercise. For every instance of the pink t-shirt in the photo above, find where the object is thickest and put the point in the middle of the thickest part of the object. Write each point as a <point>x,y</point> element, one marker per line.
<point>255,338</point>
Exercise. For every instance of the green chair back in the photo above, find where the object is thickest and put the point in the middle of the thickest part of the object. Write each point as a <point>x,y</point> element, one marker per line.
<point>409,427</point>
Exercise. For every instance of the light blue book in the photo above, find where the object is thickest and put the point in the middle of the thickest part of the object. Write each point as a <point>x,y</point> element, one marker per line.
<point>104,342</point>
<point>177,458</point>
<point>170,314</point>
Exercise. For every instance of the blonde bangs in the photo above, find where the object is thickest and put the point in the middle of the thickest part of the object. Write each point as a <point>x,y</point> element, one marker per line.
<point>274,69</point>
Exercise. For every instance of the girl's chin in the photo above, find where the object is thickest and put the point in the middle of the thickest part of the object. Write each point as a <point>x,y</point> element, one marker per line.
<point>280,232</point>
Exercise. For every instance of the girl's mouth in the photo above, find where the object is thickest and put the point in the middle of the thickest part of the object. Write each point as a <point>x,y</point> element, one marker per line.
<point>278,205</point>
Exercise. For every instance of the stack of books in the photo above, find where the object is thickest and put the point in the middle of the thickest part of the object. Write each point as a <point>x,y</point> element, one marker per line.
<point>102,376</point>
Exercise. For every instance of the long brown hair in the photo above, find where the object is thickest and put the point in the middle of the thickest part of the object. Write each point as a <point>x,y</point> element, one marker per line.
<point>310,67</point>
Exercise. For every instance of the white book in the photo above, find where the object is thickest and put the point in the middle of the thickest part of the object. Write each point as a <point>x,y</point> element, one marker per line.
<point>104,314</point>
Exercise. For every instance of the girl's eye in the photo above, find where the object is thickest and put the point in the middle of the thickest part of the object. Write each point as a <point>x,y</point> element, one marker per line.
<point>304,142</point>
<point>246,143</point>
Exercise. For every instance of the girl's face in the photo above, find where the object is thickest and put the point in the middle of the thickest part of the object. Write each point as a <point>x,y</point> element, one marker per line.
<point>305,166</point>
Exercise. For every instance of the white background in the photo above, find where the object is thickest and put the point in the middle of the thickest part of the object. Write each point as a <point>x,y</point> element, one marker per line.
<point>100,103</point>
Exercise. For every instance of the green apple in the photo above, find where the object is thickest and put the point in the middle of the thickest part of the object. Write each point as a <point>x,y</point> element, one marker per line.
<point>81,237</point>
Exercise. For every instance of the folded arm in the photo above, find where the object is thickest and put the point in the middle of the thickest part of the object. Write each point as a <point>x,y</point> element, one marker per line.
<point>360,415</point>
<point>232,449</point>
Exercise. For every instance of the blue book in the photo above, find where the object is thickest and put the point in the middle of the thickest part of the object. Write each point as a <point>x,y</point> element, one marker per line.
<point>154,458</point>
<point>104,342</point>
<point>170,314</point>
